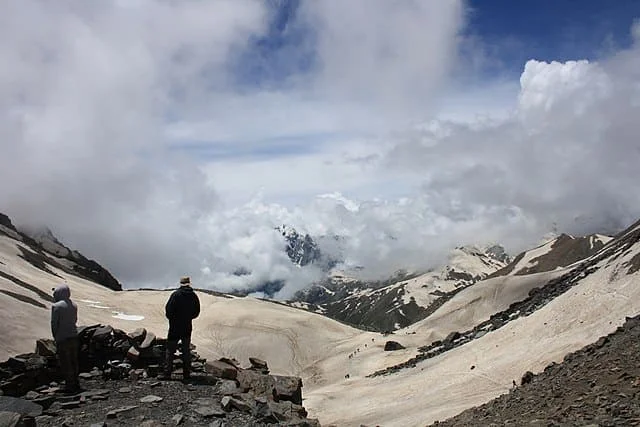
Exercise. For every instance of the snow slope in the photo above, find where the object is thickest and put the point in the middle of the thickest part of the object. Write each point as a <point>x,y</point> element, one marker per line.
<point>323,351</point>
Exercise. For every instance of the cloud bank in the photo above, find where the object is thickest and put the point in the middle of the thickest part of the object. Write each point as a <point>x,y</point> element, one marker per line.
<point>154,137</point>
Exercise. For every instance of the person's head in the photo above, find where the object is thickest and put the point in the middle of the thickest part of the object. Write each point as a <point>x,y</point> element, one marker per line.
<point>62,292</point>
<point>185,281</point>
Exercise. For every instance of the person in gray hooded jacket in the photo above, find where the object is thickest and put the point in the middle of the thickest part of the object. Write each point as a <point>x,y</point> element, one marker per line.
<point>64,315</point>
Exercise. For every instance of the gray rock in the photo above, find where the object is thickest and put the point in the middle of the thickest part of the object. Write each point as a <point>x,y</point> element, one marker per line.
<point>288,388</point>
<point>102,333</point>
<point>177,419</point>
<point>45,401</point>
<point>101,424</point>
<point>9,419</point>
<point>229,403</point>
<point>124,390</point>
<point>149,339</point>
<point>210,411</point>
<point>151,423</point>
<point>137,336</point>
<point>32,395</point>
<point>258,363</point>
<point>70,405</point>
<point>46,348</point>
<point>151,399</point>
<point>393,346</point>
<point>133,354</point>
<point>99,394</point>
<point>114,413</point>
<point>203,401</point>
<point>217,423</point>
<point>222,369</point>
<point>20,406</point>
<point>42,419</point>
<point>227,387</point>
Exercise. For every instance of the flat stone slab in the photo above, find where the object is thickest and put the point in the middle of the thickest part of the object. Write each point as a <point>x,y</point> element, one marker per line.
<point>114,413</point>
<point>20,406</point>
<point>151,399</point>
<point>210,411</point>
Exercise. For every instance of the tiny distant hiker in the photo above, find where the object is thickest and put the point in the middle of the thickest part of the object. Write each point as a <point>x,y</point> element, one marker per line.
<point>64,315</point>
<point>183,306</point>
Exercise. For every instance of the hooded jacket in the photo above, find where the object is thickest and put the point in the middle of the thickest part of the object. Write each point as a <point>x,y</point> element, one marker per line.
<point>64,315</point>
<point>183,306</point>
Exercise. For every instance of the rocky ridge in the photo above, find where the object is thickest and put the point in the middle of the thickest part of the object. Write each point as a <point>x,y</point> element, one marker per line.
<point>42,249</point>
<point>118,373</point>
<point>560,251</point>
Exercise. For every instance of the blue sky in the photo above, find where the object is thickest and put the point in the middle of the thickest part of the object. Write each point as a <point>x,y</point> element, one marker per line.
<point>509,33</point>
<point>550,30</point>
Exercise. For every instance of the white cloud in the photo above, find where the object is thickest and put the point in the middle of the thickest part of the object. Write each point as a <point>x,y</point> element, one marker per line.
<point>122,127</point>
<point>98,101</point>
<point>566,156</point>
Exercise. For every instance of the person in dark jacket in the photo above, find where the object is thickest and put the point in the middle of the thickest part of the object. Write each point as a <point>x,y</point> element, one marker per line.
<point>183,306</point>
<point>64,315</point>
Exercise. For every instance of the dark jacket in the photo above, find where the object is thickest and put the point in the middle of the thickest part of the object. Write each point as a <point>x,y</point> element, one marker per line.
<point>64,315</point>
<point>183,306</point>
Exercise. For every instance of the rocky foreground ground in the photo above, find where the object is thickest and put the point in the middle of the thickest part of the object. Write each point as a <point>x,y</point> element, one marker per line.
<point>120,388</point>
<point>596,386</point>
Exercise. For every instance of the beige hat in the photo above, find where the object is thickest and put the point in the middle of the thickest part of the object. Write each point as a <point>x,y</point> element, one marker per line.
<point>185,280</point>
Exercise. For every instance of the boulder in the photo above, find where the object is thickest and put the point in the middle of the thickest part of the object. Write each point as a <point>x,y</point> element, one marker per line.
<point>133,354</point>
<point>258,363</point>
<point>137,336</point>
<point>232,362</point>
<point>221,369</point>
<point>258,383</point>
<point>26,362</point>
<point>103,333</point>
<point>526,378</point>
<point>229,403</point>
<point>46,348</point>
<point>148,340</point>
<point>393,346</point>
<point>287,388</point>
<point>451,338</point>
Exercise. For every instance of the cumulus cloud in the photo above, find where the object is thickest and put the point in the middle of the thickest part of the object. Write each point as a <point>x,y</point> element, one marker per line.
<point>140,132</point>
<point>565,157</point>
<point>113,114</point>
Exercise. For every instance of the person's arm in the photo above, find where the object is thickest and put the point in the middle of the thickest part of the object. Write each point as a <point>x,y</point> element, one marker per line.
<point>55,320</point>
<point>169,309</point>
<point>196,306</point>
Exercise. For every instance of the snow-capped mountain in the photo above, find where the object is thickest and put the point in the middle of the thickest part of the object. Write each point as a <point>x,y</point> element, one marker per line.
<point>556,252</point>
<point>404,298</point>
<point>481,339</point>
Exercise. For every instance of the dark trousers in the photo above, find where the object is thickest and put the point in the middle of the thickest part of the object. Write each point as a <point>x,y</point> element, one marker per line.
<point>185,348</point>
<point>68,358</point>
